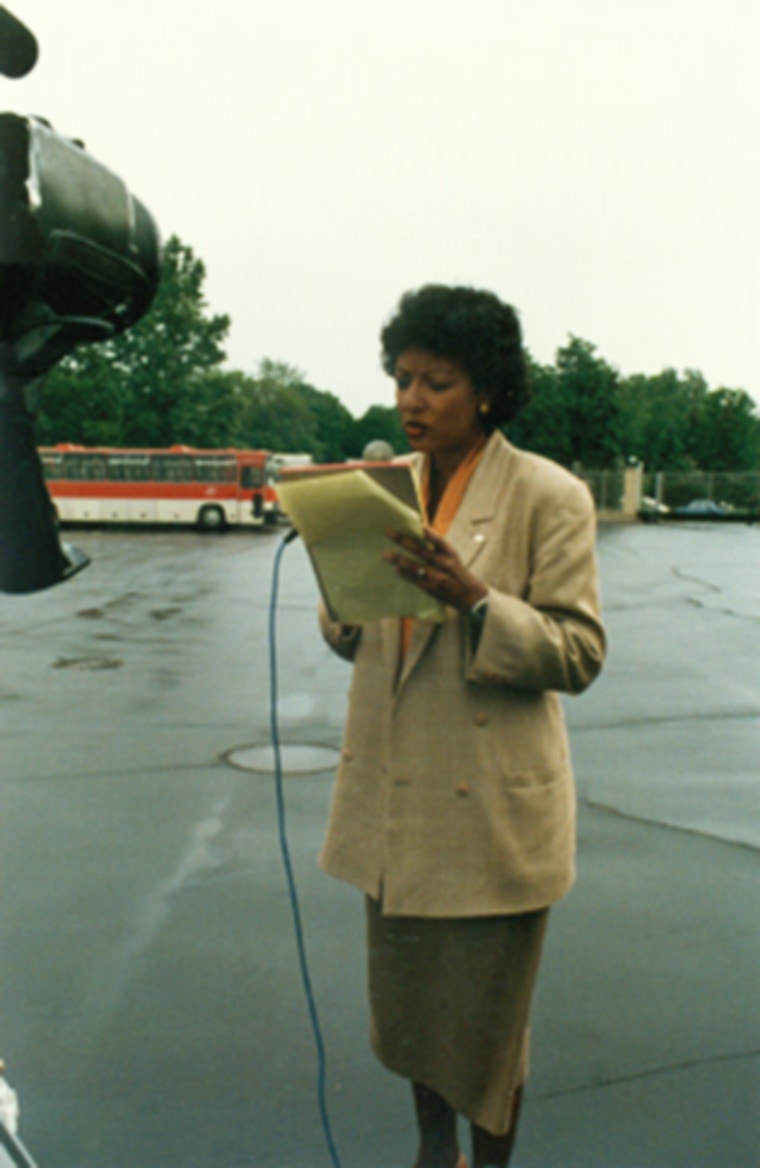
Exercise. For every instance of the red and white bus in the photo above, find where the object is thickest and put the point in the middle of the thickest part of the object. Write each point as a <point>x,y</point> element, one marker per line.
<point>212,489</point>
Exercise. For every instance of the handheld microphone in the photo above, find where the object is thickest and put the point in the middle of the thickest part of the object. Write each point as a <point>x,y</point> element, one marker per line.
<point>18,46</point>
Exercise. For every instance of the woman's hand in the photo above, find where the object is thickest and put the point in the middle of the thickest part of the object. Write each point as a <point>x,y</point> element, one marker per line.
<point>435,568</point>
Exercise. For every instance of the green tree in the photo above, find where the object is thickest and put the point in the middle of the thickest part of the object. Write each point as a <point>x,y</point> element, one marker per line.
<point>208,416</point>
<point>82,401</point>
<point>543,425</point>
<point>334,425</point>
<point>727,432</point>
<point>656,417</point>
<point>588,390</point>
<point>674,421</point>
<point>572,416</point>
<point>273,414</point>
<point>156,384</point>
<point>380,423</point>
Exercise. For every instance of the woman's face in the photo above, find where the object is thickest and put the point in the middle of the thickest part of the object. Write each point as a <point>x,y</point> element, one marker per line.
<point>439,409</point>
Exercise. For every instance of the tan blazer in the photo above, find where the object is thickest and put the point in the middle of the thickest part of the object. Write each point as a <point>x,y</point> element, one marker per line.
<point>455,795</point>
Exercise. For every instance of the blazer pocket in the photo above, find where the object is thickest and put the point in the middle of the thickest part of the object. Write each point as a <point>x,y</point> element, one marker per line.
<point>536,779</point>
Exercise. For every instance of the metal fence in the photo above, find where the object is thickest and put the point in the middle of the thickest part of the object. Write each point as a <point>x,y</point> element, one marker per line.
<point>739,490</point>
<point>629,491</point>
<point>607,487</point>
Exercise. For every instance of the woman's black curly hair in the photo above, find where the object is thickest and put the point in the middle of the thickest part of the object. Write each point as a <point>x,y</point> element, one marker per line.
<point>473,328</point>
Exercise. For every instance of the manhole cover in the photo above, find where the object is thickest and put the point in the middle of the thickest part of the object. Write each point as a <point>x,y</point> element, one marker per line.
<point>302,759</point>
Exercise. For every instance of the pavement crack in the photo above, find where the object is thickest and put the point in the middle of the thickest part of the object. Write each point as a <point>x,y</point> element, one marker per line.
<point>140,771</point>
<point>750,713</point>
<point>707,586</point>
<point>680,574</point>
<point>724,611</point>
<point>650,1073</point>
<point>647,821</point>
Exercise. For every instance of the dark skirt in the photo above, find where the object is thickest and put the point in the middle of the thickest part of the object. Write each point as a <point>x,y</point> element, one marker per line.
<point>450,1005</point>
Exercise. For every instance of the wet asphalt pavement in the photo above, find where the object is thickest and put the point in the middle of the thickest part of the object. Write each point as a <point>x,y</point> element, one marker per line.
<point>151,1012</point>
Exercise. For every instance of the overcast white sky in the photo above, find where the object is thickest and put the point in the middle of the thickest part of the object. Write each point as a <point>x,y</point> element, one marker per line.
<point>594,162</point>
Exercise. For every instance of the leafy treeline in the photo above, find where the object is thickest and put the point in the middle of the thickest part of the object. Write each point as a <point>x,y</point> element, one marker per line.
<point>162,383</point>
<point>583,412</point>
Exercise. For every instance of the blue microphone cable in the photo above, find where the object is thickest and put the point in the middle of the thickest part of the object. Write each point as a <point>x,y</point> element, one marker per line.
<point>287,864</point>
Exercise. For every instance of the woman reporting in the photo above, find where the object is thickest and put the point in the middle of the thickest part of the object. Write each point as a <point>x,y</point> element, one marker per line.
<point>454,805</point>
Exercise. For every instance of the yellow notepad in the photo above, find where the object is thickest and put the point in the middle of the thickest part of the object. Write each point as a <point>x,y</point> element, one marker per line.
<point>342,518</point>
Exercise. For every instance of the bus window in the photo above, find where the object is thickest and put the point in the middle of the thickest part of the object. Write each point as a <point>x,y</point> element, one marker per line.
<point>173,468</point>
<point>215,468</point>
<point>129,468</point>
<point>51,465</point>
<point>84,467</point>
<point>251,477</point>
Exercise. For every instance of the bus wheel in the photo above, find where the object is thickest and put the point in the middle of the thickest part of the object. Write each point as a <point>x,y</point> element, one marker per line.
<point>211,519</point>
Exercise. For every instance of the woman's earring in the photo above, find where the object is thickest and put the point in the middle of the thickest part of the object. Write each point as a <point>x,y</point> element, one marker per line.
<point>485,408</point>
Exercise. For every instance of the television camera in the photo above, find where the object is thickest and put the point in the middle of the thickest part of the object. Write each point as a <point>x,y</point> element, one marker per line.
<point>79,262</point>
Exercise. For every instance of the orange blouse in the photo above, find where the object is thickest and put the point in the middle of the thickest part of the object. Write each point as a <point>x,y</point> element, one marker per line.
<point>447,509</point>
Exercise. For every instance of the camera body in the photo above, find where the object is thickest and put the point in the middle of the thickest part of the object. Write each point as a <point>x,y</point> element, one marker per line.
<point>79,262</point>
<point>79,254</point>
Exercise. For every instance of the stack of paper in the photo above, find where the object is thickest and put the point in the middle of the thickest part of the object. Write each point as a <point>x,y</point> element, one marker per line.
<point>343,518</point>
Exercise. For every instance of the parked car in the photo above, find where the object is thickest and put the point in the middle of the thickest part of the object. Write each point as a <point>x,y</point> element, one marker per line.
<point>651,509</point>
<point>701,508</point>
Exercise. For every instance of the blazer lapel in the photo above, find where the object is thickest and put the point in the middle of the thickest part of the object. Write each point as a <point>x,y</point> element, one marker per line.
<point>422,634</point>
<point>472,525</point>
<point>468,535</point>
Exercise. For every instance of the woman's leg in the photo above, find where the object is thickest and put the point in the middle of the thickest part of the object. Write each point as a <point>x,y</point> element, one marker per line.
<point>437,1123</point>
<point>494,1151</point>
